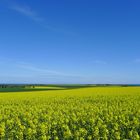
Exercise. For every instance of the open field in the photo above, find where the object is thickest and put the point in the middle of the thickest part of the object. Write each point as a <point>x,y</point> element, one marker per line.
<point>94,113</point>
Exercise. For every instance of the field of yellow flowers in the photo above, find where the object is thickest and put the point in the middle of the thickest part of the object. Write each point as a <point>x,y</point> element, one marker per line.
<point>95,113</point>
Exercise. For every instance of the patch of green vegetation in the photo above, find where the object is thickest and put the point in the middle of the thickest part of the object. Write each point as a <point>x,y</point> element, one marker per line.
<point>30,88</point>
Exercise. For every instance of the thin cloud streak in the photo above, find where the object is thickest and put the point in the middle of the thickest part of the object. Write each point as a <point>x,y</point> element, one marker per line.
<point>137,61</point>
<point>27,11</point>
<point>47,72</point>
<point>100,62</point>
<point>23,9</point>
<point>40,70</point>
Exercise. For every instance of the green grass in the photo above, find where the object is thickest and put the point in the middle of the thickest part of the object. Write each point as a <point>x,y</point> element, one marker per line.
<point>36,88</point>
<point>96,113</point>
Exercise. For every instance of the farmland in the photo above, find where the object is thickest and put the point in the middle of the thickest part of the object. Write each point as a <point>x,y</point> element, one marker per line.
<point>92,113</point>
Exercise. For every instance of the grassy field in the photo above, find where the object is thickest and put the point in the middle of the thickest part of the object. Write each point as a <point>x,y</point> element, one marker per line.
<point>94,113</point>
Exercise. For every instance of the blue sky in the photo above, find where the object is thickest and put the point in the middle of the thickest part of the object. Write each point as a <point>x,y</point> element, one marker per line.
<point>70,41</point>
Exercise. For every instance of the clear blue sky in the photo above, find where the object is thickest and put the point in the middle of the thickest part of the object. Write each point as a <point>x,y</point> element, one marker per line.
<point>70,41</point>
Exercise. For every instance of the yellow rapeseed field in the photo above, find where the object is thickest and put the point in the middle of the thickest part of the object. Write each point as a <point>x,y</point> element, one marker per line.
<point>95,113</point>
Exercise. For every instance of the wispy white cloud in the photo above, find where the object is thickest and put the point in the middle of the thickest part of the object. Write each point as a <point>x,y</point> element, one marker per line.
<point>38,70</point>
<point>137,61</point>
<point>26,11</point>
<point>32,14</point>
<point>45,71</point>
<point>22,8</point>
<point>4,60</point>
<point>99,62</point>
